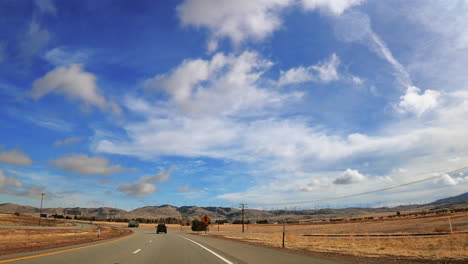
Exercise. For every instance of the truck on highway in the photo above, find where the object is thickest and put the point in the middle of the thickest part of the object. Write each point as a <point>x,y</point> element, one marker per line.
<point>133,223</point>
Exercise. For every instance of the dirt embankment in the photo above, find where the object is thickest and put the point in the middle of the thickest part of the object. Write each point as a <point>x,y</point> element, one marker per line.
<point>26,240</point>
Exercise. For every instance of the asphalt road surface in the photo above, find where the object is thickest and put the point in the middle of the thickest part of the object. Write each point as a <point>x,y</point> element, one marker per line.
<point>146,247</point>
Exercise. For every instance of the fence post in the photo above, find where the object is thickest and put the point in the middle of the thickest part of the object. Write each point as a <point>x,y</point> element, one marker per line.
<point>450,224</point>
<point>284,231</point>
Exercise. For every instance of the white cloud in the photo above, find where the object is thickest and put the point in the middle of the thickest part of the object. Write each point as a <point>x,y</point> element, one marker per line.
<point>67,141</point>
<point>64,56</point>
<point>34,40</point>
<point>238,20</point>
<point>336,7</point>
<point>349,177</point>
<point>12,186</point>
<point>224,85</point>
<point>15,157</point>
<point>85,165</point>
<point>3,54</point>
<point>417,103</point>
<point>9,181</point>
<point>247,19</point>
<point>185,188</point>
<point>446,180</point>
<point>47,122</point>
<point>355,27</point>
<point>145,185</point>
<point>74,83</point>
<point>314,185</point>
<point>325,71</point>
<point>46,6</point>
<point>138,189</point>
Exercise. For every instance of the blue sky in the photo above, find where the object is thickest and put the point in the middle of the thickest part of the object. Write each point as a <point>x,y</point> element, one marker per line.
<point>207,102</point>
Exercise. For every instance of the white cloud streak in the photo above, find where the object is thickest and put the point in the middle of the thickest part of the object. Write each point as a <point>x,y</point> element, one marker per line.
<point>46,6</point>
<point>15,157</point>
<point>81,163</point>
<point>67,141</point>
<point>336,7</point>
<point>35,39</point>
<point>145,185</point>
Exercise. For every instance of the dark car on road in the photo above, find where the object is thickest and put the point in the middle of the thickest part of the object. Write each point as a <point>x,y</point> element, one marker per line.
<point>161,228</point>
<point>133,223</point>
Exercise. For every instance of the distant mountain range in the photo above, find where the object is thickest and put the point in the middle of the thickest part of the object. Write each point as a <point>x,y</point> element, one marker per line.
<point>165,211</point>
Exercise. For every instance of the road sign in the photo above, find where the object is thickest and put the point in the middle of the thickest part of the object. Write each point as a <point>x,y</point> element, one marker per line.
<point>205,219</point>
<point>73,212</point>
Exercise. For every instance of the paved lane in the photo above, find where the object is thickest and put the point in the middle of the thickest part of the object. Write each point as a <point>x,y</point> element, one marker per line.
<point>175,247</point>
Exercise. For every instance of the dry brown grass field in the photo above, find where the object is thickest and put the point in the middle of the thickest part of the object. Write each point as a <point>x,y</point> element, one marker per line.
<point>25,240</point>
<point>28,220</point>
<point>443,247</point>
<point>404,225</point>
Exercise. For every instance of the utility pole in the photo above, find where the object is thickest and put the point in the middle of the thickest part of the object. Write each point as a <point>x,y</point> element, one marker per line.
<point>242,205</point>
<point>40,210</point>
<point>217,220</point>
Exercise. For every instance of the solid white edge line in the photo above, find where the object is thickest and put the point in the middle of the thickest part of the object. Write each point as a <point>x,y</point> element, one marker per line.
<point>209,250</point>
<point>136,251</point>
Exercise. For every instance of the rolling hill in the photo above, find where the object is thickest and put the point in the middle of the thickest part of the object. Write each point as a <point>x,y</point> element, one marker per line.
<point>164,211</point>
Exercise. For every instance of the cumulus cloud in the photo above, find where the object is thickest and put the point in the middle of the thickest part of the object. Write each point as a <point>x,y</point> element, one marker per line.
<point>145,185</point>
<point>9,181</point>
<point>236,20</point>
<point>246,19</point>
<point>417,103</point>
<point>13,186</point>
<point>224,85</point>
<point>85,165</point>
<point>74,83</point>
<point>349,177</point>
<point>313,185</point>
<point>336,7</point>
<point>325,71</point>
<point>446,180</point>
<point>15,157</point>
<point>67,141</point>
<point>46,6</point>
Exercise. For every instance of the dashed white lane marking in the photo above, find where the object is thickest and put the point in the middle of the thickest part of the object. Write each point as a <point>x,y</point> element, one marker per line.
<point>136,251</point>
<point>211,251</point>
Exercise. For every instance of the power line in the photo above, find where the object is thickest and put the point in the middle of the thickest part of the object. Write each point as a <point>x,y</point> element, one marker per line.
<point>363,193</point>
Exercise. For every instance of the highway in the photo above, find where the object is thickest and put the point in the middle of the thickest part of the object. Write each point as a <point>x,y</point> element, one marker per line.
<point>174,247</point>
